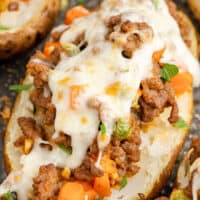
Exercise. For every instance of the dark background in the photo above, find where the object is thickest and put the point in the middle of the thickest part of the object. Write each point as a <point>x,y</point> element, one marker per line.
<point>12,71</point>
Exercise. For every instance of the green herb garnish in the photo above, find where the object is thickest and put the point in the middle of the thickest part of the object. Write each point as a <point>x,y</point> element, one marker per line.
<point>181,124</point>
<point>155,3</point>
<point>66,149</point>
<point>122,129</point>
<point>123,182</point>
<point>4,28</point>
<point>8,196</point>
<point>103,128</point>
<point>80,1</point>
<point>19,88</point>
<point>168,71</point>
<point>71,49</point>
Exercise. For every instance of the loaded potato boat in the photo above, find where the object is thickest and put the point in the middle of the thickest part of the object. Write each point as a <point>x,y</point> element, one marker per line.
<point>105,108</point>
<point>23,22</point>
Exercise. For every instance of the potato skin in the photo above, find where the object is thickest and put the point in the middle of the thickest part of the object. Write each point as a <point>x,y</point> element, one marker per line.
<point>195,7</point>
<point>18,41</point>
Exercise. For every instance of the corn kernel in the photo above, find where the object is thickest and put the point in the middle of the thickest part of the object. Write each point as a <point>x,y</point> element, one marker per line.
<point>28,145</point>
<point>66,173</point>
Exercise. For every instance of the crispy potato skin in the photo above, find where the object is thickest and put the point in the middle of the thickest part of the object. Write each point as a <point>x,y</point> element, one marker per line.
<point>18,41</point>
<point>192,35</point>
<point>195,7</point>
<point>161,181</point>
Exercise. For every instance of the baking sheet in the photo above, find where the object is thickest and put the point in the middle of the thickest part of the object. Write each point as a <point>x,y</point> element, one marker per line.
<point>12,71</point>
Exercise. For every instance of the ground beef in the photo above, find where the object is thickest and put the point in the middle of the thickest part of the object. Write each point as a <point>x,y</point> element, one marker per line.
<point>196,152</point>
<point>54,57</point>
<point>29,127</point>
<point>113,21</point>
<point>125,153</point>
<point>87,171</point>
<point>39,98</point>
<point>132,151</point>
<point>93,150</point>
<point>127,26</point>
<point>46,184</point>
<point>62,139</point>
<point>136,34</point>
<point>156,96</point>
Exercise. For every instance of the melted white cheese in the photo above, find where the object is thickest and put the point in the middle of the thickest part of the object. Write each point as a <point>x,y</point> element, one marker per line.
<point>95,72</point>
<point>15,19</point>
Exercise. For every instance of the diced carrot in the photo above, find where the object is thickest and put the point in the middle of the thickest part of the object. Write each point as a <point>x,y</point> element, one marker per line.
<point>75,91</point>
<point>89,191</point>
<point>102,185</point>
<point>49,48</point>
<point>181,83</point>
<point>158,54</point>
<point>74,13</point>
<point>25,0</point>
<point>71,191</point>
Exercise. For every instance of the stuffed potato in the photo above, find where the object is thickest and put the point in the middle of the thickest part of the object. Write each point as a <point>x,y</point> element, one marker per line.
<point>109,106</point>
<point>23,22</point>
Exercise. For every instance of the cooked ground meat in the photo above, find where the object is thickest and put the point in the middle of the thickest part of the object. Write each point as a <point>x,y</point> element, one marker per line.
<point>54,57</point>
<point>46,184</point>
<point>46,146</point>
<point>113,21</point>
<point>127,26</point>
<point>139,32</point>
<point>93,150</point>
<point>20,141</point>
<point>62,139</point>
<point>155,97</point>
<point>87,171</point>
<point>39,98</point>
<point>13,6</point>
<point>29,127</point>
<point>196,152</point>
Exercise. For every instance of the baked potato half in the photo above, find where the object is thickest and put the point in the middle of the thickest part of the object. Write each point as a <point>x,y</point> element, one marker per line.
<point>79,52</point>
<point>23,23</point>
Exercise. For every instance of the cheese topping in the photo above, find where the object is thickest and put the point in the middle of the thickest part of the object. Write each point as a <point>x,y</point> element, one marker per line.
<point>94,87</point>
<point>109,81</point>
<point>15,19</point>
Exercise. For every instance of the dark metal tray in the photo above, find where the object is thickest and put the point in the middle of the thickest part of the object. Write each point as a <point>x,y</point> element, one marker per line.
<point>13,70</point>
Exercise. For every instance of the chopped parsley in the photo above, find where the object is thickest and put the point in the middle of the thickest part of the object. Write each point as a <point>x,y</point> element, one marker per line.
<point>168,71</point>
<point>123,182</point>
<point>19,88</point>
<point>71,49</point>
<point>103,128</point>
<point>66,149</point>
<point>80,1</point>
<point>122,129</point>
<point>181,124</point>
<point>8,196</point>
<point>155,3</point>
